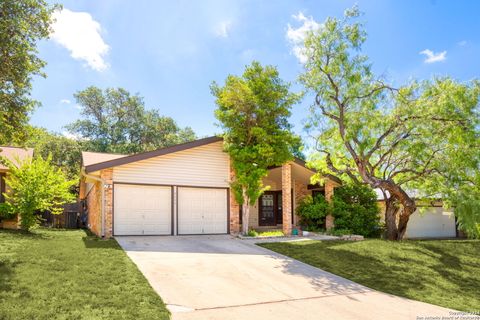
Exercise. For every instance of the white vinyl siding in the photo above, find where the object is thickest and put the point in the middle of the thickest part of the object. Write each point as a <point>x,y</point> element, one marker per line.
<point>202,210</point>
<point>434,222</point>
<point>206,166</point>
<point>142,210</point>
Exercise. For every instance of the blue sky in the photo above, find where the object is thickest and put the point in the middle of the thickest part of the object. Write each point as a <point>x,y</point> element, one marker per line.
<point>170,51</point>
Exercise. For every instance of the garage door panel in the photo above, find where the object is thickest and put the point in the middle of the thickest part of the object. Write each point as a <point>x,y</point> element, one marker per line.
<point>434,222</point>
<point>155,229</point>
<point>202,210</point>
<point>140,210</point>
<point>130,229</point>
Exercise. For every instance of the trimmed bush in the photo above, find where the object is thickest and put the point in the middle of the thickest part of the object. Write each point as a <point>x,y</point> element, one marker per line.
<point>355,208</point>
<point>312,212</point>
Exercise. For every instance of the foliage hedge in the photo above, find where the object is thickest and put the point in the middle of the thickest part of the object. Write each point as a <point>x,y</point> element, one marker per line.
<point>354,207</point>
<point>312,212</point>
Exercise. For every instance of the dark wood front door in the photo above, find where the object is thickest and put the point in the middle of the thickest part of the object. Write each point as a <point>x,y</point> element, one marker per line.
<point>270,208</point>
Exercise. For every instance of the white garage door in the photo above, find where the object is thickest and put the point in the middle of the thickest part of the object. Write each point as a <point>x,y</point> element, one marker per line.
<point>142,210</point>
<point>202,210</point>
<point>434,222</point>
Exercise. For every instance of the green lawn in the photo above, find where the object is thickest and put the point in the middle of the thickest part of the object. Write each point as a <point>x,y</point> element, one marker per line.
<point>67,274</point>
<point>441,272</point>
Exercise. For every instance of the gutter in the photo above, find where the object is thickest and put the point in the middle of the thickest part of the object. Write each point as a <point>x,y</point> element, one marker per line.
<point>102,207</point>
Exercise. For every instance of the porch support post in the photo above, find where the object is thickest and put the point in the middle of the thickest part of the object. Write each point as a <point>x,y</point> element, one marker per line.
<point>329,219</point>
<point>287,198</point>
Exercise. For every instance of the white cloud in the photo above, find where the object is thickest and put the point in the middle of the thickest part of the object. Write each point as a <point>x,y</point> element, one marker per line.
<point>65,101</point>
<point>80,34</point>
<point>432,57</point>
<point>223,28</point>
<point>71,135</point>
<point>462,43</point>
<point>77,106</point>
<point>247,55</point>
<point>296,36</point>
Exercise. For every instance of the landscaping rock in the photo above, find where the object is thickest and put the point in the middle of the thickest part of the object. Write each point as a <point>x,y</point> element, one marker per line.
<point>352,237</point>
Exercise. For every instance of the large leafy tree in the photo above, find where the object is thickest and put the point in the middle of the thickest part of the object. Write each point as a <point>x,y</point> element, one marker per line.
<point>114,120</point>
<point>65,152</point>
<point>35,185</point>
<point>253,110</point>
<point>409,141</point>
<point>22,24</point>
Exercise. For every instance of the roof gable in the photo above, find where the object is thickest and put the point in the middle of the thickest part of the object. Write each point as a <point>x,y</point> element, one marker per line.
<point>15,154</point>
<point>90,158</point>
<point>121,160</point>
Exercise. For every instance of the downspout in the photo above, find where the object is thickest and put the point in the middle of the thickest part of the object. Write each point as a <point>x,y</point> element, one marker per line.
<point>102,207</point>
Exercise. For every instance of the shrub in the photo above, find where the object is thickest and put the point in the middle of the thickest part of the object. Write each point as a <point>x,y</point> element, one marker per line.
<point>5,212</point>
<point>252,233</point>
<point>467,211</point>
<point>355,208</point>
<point>35,186</point>
<point>271,233</point>
<point>312,212</point>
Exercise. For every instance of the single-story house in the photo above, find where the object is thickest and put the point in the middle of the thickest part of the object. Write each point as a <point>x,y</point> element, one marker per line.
<point>185,190</point>
<point>17,156</point>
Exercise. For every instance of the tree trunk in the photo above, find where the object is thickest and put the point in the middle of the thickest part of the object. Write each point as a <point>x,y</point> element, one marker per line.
<point>245,213</point>
<point>402,222</point>
<point>391,211</point>
<point>396,196</point>
<point>396,230</point>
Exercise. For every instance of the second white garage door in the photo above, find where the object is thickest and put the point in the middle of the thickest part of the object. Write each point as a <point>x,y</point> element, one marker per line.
<point>434,222</point>
<point>142,210</point>
<point>202,210</point>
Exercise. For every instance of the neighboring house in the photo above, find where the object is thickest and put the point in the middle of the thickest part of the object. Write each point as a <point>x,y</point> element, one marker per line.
<point>430,220</point>
<point>185,189</point>
<point>16,156</point>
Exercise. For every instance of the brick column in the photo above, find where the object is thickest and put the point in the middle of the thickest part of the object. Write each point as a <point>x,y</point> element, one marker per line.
<point>287,198</point>
<point>329,221</point>
<point>300,192</point>
<point>107,176</point>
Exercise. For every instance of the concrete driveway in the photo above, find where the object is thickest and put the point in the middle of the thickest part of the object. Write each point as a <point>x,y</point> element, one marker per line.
<point>220,277</point>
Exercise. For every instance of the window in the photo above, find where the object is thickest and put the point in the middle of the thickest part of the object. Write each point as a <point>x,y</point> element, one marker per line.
<point>317,192</point>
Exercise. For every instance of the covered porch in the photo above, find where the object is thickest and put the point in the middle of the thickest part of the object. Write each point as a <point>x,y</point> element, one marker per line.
<point>275,209</point>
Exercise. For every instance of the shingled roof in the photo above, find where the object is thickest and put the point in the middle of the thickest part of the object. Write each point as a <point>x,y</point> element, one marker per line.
<point>15,154</point>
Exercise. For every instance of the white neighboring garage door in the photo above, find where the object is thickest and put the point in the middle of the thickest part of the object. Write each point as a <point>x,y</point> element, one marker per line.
<point>434,222</point>
<point>142,210</point>
<point>202,210</point>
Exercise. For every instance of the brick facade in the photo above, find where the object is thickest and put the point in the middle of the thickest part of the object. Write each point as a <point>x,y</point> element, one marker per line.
<point>329,186</point>
<point>287,198</point>
<point>94,206</point>
<point>107,176</point>
<point>300,192</point>
<point>94,203</point>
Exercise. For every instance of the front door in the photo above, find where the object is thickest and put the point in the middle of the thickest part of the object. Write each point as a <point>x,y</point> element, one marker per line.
<point>270,209</point>
<point>279,204</point>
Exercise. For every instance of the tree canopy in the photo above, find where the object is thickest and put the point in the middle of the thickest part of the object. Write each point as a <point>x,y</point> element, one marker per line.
<point>411,141</point>
<point>114,120</point>
<point>65,152</point>
<point>22,24</point>
<point>253,110</point>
